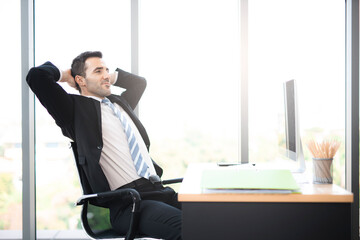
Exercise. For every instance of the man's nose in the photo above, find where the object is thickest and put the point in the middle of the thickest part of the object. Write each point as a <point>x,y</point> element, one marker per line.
<point>106,75</point>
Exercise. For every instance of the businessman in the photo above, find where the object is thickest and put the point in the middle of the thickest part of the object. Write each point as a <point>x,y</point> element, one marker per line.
<point>110,143</point>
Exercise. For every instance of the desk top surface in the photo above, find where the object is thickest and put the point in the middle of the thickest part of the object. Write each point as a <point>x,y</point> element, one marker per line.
<point>190,191</point>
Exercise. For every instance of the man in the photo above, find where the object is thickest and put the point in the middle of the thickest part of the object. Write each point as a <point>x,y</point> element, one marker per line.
<point>110,144</point>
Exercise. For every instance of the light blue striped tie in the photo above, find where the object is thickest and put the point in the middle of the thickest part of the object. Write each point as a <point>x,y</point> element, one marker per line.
<point>141,167</point>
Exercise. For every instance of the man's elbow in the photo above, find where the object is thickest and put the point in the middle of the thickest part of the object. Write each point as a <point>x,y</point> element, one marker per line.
<point>32,75</point>
<point>44,71</point>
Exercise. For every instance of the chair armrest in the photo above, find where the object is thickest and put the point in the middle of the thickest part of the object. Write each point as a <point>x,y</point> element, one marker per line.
<point>84,198</point>
<point>155,179</point>
<point>170,181</point>
<point>119,193</point>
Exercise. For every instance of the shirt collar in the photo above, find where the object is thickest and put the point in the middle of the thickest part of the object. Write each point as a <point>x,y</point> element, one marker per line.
<point>96,98</point>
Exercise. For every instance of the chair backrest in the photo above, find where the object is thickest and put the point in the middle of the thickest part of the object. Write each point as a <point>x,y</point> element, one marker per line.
<point>82,177</point>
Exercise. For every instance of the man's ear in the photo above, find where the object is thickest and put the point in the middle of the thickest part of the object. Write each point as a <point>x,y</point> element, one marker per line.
<point>80,80</point>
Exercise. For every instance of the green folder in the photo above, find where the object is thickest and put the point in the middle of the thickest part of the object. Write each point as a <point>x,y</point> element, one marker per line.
<point>249,179</point>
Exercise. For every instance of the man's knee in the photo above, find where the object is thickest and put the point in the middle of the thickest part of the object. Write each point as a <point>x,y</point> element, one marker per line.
<point>157,219</point>
<point>160,220</point>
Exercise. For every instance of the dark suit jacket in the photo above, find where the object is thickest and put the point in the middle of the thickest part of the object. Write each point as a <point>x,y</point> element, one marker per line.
<point>79,118</point>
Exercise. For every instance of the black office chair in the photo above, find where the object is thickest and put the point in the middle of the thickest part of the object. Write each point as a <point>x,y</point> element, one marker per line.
<point>96,220</point>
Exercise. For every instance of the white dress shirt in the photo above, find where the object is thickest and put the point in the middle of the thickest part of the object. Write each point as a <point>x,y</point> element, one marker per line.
<point>115,160</point>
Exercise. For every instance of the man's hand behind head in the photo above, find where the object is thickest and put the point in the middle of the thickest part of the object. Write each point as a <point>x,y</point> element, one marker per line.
<point>66,77</point>
<point>113,77</point>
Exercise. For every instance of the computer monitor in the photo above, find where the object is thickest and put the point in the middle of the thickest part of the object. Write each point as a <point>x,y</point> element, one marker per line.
<point>293,149</point>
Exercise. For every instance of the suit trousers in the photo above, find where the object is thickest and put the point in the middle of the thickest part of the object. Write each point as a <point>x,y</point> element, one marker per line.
<point>160,213</point>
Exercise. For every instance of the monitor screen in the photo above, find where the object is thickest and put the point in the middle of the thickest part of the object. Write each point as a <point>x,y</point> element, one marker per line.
<point>292,133</point>
<point>290,118</point>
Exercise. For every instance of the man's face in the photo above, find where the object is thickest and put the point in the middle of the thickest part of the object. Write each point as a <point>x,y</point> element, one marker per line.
<point>97,80</point>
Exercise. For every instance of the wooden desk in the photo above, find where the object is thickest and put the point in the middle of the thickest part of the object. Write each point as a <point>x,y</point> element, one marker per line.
<point>319,212</point>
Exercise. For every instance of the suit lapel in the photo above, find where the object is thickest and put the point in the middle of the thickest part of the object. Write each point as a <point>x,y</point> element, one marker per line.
<point>98,114</point>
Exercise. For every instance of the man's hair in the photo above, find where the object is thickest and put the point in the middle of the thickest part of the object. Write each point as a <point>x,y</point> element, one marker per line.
<point>78,64</point>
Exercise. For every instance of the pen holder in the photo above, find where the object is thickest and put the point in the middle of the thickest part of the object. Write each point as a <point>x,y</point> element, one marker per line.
<point>322,170</point>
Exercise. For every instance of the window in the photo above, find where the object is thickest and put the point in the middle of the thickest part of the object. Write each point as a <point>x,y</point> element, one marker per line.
<point>10,120</point>
<point>288,40</point>
<point>189,54</point>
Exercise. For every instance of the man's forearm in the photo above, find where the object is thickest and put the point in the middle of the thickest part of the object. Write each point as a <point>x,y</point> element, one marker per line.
<point>134,85</point>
